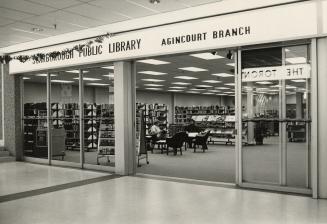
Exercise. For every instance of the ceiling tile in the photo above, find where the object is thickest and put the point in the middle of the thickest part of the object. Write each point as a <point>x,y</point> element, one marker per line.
<point>192,3</point>
<point>164,6</point>
<point>25,6</point>
<point>13,14</point>
<point>5,21</point>
<point>58,4</point>
<point>96,12</point>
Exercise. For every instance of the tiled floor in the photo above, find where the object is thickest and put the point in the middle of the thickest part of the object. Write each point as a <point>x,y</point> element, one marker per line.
<point>141,200</point>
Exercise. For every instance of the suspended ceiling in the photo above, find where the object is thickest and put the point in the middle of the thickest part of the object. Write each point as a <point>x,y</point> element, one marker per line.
<point>21,19</point>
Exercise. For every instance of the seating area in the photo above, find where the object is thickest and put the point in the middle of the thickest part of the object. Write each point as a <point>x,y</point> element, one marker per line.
<point>178,142</point>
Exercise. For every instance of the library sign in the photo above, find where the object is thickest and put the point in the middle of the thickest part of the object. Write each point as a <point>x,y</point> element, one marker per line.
<point>245,28</point>
<point>299,71</point>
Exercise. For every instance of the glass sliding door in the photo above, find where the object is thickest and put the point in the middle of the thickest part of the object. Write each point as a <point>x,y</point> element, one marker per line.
<point>275,86</point>
<point>65,126</point>
<point>35,125</point>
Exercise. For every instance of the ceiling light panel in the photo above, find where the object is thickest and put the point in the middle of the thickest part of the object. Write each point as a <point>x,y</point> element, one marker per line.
<point>175,90</point>
<point>97,84</point>
<point>298,80</point>
<point>108,67</point>
<point>193,69</point>
<point>154,62</point>
<point>153,80</point>
<point>208,93</point>
<point>229,84</point>
<point>110,75</point>
<point>61,81</point>
<point>185,77</point>
<point>224,75</point>
<point>264,83</point>
<point>76,71</point>
<point>45,75</point>
<point>177,87</point>
<point>222,88</point>
<point>89,79</point>
<point>153,88</point>
<point>153,85</point>
<point>204,86</point>
<point>211,81</point>
<point>296,60</point>
<point>181,83</point>
<point>207,56</point>
<point>152,73</point>
<point>196,89</point>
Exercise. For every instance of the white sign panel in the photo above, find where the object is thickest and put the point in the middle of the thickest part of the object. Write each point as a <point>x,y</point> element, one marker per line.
<point>300,71</point>
<point>258,26</point>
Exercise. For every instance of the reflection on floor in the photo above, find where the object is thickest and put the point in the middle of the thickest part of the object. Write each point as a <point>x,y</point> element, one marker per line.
<point>136,200</point>
<point>261,163</point>
<point>90,158</point>
<point>18,177</point>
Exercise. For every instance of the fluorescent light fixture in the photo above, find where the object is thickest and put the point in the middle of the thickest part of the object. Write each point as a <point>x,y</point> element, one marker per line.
<point>214,90</point>
<point>25,78</point>
<point>175,90</point>
<point>221,94</point>
<point>177,87</point>
<point>207,56</point>
<point>298,80</point>
<point>181,83</point>
<point>264,82</point>
<point>195,89</point>
<point>223,75</point>
<point>110,75</point>
<point>154,62</point>
<point>185,77</point>
<point>153,85</point>
<point>230,92</point>
<point>45,75</point>
<point>231,64</point>
<point>229,84</point>
<point>222,88</point>
<point>193,69</point>
<point>89,79</point>
<point>153,88</point>
<point>152,80</point>
<point>211,81</point>
<point>297,60</point>
<point>76,71</point>
<point>62,81</point>
<point>208,93</point>
<point>203,86</point>
<point>276,86</point>
<point>287,50</point>
<point>192,92</point>
<point>97,84</point>
<point>109,67</point>
<point>152,73</point>
<point>290,87</point>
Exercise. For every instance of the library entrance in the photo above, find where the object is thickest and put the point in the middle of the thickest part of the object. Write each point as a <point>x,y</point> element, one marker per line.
<point>195,127</point>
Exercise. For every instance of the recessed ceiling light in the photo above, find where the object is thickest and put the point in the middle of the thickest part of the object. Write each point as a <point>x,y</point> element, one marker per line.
<point>222,88</point>
<point>175,90</point>
<point>153,85</point>
<point>229,84</point>
<point>193,69</point>
<point>298,80</point>
<point>208,93</point>
<point>89,79</point>
<point>214,90</point>
<point>45,75</point>
<point>181,83</point>
<point>109,67</point>
<point>97,84</point>
<point>76,71</point>
<point>207,56</point>
<point>152,73</point>
<point>185,77</point>
<point>154,62</point>
<point>211,81</point>
<point>195,89</point>
<point>231,64</point>
<point>153,88</point>
<point>177,87</point>
<point>153,80</point>
<point>264,82</point>
<point>192,92</point>
<point>62,81</point>
<point>296,60</point>
<point>204,86</point>
<point>25,78</point>
<point>223,75</point>
<point>110,75</point>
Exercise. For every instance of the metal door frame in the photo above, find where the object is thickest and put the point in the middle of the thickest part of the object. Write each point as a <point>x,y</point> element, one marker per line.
<point>312,156</point>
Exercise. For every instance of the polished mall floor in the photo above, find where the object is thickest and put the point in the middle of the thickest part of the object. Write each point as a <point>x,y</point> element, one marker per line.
<point>33,193</point>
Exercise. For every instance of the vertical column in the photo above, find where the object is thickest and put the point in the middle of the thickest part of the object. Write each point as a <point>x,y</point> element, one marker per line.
<point>13,138</point>
<point>124,98</point>
<point>250,112</point>
<point>49,120</point>
<point>81,116</point>
<point>321,130</point>
<point>173,100</point>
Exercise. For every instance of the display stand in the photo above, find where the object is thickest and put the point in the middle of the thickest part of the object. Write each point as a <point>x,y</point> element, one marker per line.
<point>141,150</point>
